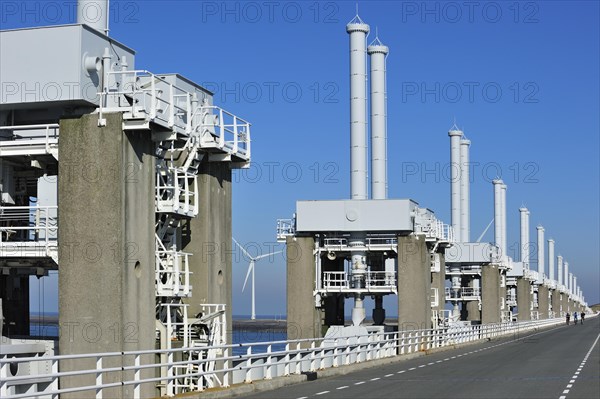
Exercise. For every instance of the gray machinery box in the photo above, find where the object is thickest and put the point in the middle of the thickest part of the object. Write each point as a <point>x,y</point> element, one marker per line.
<point>356,215</point>
<point>55,64</point>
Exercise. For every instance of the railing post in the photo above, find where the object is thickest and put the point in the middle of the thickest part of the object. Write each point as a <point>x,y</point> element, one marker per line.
<point>226,366</point>
<point>298,365</point>
<point>268,374</point>
<point>312,356</point>
<point>170,381</point>
<point>248,378</point>
<point>137,377</point>
<point>3,375</point>
<point>99,377</point>
<point>286,367</point>
<point>334,362</point>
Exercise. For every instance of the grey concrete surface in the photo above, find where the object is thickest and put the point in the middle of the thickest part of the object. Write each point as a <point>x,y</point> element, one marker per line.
<point>106,217</point>
<point>490,294</point>
<point>303,319</point>
<point>414,283</point>
<point>523,299</point>
<point>208,239</point>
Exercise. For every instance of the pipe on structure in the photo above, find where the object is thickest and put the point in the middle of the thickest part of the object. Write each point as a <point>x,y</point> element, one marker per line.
<point>503,210</point>
<point>551,259</point>
<point>571,283</point>
<point>540,252</point>
<point>560,269</point>
<point>498,218</point>
<point>465,183</point>
<point>524,237</point>
<point>94,13</point>
<point>455,178</point>
<point>378,53</point>
<point>358,31</point>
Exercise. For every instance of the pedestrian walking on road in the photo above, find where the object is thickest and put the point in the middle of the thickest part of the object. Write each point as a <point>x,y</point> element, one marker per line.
<point>582,317</point>
<point>575,317</point>
<point>568,318</point>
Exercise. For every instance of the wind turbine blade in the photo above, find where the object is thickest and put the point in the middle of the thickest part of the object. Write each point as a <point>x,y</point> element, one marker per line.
<point>242,248</point>
<point>265,255</point>
<point>250,267</point>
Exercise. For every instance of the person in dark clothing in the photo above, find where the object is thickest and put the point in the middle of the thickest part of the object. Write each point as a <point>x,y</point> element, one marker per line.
<point>568,316</point>
<point>582,317</point>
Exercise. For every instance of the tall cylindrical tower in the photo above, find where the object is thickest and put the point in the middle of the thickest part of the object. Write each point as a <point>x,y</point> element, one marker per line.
<point>524,237</point>
<point>498,215</point>
<point>503,209</point>
<point>358,31</point>
<point>465,183</point>
<point>455,176</point>
<point>551,259</point>
<point>560,269</point>
<point>378,53</point>
<point>540,251</point>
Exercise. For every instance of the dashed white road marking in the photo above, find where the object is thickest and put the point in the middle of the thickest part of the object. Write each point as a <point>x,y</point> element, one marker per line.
<point>359,383</point>
<point>388,375</point>
<point>342,387</point>
<point>322,393</point>
<point>572,381</point>
<point>375,379</point>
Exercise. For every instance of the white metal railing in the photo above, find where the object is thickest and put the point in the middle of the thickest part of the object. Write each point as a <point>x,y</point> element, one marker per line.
<point>262,360</point>
<point>142,95</point>
<point>172,272</point>
<point>176,191</point>
<point>384,242</point>
<point>374,281</point>
<point>285,228</point>
<point>224,130</point>
<point>465,293</point>
<point>23,226</point>
<point>32,137</point>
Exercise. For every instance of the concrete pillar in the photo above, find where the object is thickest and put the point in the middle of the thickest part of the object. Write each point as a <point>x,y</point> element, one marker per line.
<point>106,217</point>
<point>523,299</point>
<point>556,303</point>
<point>438,280</point>
<point>543,301</point>
<point>473,311</point>
<point>208,239</point>
<point>303,318</point>
<point>414,283</point>
<point>490,294</point>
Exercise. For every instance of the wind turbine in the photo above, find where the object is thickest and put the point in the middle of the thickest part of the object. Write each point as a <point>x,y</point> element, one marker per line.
<point>251,270</point>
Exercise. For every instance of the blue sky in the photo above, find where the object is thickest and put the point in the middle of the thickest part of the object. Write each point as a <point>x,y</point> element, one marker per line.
<point>520,78</point>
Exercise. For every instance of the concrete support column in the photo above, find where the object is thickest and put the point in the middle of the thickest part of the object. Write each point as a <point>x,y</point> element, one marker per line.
<point>414,283</point>
<point>490,294</point>
<point>473,311</point>
<point>556,303</point>
<point>523,299</point>
<point>438,280</point>
<point>303,318</point>
<point>543,301</point>
<point>106,218</point>
<point>208,239</point>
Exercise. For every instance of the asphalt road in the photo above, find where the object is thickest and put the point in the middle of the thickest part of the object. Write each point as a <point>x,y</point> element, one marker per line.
<point>562,362</point>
